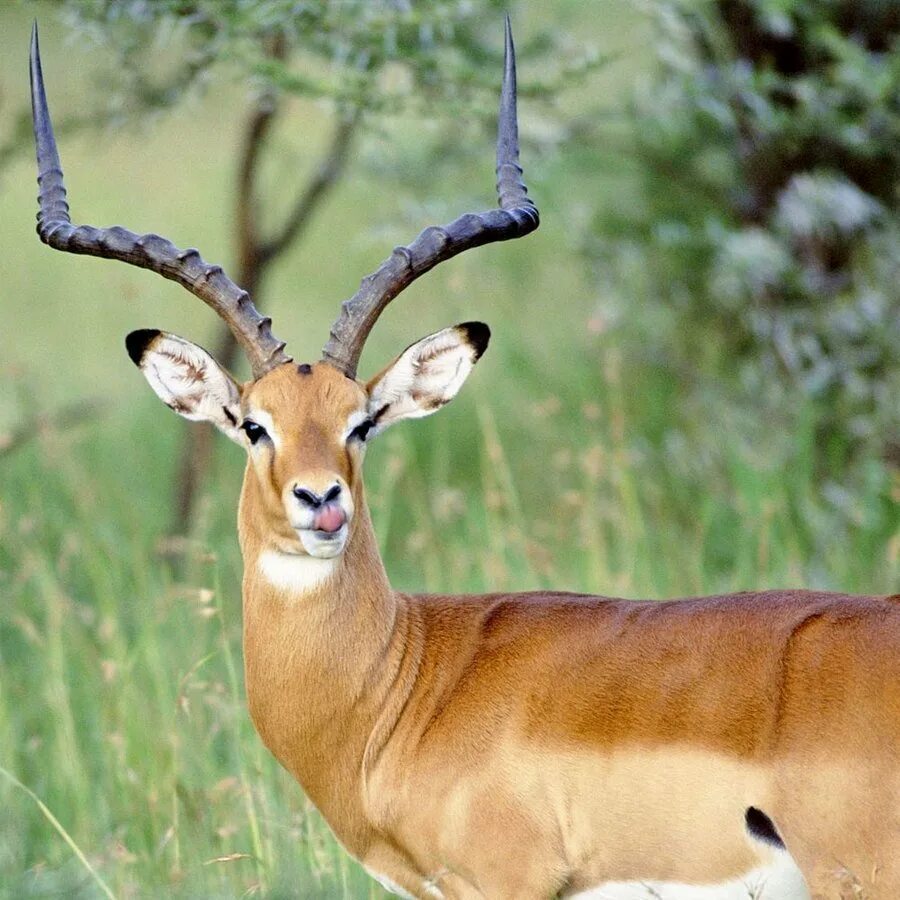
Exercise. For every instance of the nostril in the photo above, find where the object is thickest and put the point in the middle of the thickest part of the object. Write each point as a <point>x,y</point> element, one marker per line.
<point>332,493</point>
<point>307,497</point>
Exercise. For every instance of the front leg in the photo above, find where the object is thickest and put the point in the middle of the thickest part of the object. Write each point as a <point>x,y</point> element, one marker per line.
<point>396,874</point>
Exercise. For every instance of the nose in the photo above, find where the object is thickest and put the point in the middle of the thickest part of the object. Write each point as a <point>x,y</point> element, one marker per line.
<point>312,499</point>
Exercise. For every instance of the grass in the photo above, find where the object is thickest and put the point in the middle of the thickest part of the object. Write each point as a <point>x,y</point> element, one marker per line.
<point>121,704</point>
<point>570,461</point>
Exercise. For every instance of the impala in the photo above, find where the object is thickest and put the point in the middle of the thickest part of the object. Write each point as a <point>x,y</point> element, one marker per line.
<point>535,745</point>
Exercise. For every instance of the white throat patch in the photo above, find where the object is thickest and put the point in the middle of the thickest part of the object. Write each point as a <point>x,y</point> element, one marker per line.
<point>294,573</point>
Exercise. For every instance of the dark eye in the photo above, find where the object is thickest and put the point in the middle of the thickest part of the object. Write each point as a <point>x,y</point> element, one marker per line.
<point>361,430</point>
<point>254,432</point>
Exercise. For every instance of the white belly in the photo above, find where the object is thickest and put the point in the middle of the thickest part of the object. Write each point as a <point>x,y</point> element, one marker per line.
<point>781,880</point>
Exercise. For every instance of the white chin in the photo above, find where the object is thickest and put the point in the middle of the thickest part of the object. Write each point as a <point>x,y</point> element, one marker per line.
<point>323,544</point>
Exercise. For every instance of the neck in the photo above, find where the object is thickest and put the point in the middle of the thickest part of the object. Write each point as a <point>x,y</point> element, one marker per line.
<point>324,647</point>
<point>351,586</point>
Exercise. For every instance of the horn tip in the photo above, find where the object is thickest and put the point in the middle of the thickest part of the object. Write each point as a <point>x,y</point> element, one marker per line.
<point>509,60</point>
<point>34,54</point>
<point>34,61</point>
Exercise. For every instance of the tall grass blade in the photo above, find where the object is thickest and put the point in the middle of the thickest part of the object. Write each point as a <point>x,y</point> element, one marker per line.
<point>61,831</point>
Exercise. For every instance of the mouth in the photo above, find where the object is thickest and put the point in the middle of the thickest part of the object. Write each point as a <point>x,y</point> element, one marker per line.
<point>322,543</point>
<point>322,531</point>
<point>321,534</point>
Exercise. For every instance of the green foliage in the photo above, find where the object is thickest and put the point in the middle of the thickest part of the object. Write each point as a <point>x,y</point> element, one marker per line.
<point>433,59</point>
<point>572,461</point>
<point>771,148</point>
<point>121,703</point>
<point>378,55</point>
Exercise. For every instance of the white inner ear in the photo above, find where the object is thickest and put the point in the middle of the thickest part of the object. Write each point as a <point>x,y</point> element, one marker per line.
<point>423,378</point>
<point>187,379</point>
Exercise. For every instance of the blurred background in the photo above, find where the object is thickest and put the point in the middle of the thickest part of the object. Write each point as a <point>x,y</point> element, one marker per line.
<point>693,384</point>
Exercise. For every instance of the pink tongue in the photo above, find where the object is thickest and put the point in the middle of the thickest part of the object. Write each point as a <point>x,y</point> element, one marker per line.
<point>329,519</point>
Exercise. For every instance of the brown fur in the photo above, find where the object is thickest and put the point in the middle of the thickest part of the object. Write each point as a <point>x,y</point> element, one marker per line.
<point>533,745</point>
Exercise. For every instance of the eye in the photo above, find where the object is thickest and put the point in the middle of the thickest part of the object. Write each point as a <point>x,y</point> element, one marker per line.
<point>362,430</point>
<point>253,431</point>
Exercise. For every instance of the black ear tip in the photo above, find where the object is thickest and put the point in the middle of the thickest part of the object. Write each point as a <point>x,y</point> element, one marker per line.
<point>478,335</point>
<point>138,341</point>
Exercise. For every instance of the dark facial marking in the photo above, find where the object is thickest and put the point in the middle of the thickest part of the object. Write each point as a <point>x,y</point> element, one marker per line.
<point>304,369</point>
<point>362,430</point>
<point>229,415</point>
<point>254,431</point>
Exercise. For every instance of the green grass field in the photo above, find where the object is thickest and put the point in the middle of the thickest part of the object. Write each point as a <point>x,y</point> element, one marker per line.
<point>129,765</point>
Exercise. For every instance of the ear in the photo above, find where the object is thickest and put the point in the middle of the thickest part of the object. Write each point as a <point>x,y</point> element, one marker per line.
<point>187,379</point>
<point>426,375</point>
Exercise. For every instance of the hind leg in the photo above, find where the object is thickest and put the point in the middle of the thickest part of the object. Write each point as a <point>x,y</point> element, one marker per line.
<point>854,866</point>
<point>838,882</point>
<point>840,820</point>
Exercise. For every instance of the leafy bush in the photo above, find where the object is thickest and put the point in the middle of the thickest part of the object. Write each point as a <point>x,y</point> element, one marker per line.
<point>770,149</point>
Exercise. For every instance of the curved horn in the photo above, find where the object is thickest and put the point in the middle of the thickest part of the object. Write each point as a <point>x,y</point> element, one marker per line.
<point>149,251</point>
<point>516,217</point>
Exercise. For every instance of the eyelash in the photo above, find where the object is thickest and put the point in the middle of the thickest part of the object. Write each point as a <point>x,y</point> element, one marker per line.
<point>253,431</point>
<point>361,430</point>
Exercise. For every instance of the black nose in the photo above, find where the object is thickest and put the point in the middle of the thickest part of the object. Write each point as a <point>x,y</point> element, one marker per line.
<point>313,500</point>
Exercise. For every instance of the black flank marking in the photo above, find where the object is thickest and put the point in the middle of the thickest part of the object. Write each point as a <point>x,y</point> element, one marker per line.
<point>229,415</point>
<point>478,335</point>
<point>304,369</point>
<point>760,826</point>
<point>138,341</point>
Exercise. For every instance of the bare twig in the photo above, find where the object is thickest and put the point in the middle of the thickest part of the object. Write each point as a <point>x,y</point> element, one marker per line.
<point>329,171</point>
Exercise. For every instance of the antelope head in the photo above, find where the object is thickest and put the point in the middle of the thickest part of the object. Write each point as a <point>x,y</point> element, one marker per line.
<point>304,427</point>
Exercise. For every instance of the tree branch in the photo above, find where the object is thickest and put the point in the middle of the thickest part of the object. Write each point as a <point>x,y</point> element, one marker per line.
<point>247,212</point>
<point>329,171</point>
<point>259,124</point>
